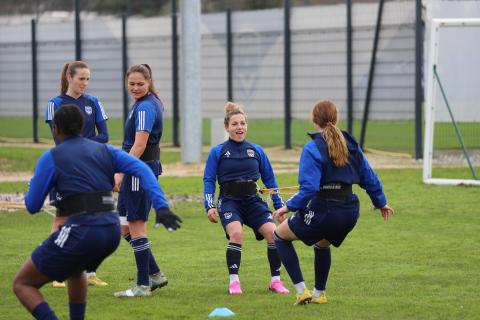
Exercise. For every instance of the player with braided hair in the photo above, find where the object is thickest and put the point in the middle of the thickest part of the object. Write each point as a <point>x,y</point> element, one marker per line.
<point>82,171</point>
<point>237,165</point>
<point>325,208</point>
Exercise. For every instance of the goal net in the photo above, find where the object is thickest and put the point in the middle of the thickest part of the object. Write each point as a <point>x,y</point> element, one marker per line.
<point>452,103</point>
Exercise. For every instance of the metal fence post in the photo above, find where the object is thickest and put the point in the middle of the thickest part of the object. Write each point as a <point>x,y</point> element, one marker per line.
<point>371,73</point>
<point>287,75</point>
<point>176,117</point>
<point>349,69</point>
<point>229,55</point>
<point>78,41</point>
<point>418,79</point>
<point>124,67</point>
<point>34,82</point>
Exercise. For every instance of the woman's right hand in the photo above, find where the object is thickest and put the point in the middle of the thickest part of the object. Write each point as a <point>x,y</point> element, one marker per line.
<point>279,214</point>
<point>212,215</point>
<point>118,182</point>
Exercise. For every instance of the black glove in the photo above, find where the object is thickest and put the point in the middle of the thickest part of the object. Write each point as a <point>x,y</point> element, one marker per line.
<point>169,219</point>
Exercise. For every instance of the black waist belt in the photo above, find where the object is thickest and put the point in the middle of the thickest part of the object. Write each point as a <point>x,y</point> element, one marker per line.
<point>238,188</point>
<point>335,190</point>
<point>86,203</point>
<point>151,152</point>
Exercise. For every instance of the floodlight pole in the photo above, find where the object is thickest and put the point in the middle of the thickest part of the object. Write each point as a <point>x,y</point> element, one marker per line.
<point>191,102</point>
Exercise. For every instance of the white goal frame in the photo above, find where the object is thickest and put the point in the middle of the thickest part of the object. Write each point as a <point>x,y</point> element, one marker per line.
<point>429,101</point>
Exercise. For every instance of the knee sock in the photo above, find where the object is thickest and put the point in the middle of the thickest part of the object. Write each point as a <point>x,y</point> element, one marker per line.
<point>43,312</point>
<point>141,250</point>
<point>152,264</point>
<point>234,256</point>
<point>77,311</point>
<point>127,237</point>
<point>322,266</point>
<point>274,260</point>
<point>289,258</point>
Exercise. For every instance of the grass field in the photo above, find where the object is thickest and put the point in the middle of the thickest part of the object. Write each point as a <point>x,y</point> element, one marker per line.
<point>383,135</point>
<point>422,264</point>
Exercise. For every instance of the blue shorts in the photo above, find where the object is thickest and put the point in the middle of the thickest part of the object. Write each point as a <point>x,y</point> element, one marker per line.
<point>325,219</point>
<point>75,248</point>
<point>133,201</point>
<point>251,210</point>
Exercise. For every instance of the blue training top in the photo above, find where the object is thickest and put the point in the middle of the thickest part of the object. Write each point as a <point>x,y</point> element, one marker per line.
<point>93,113</point>
<point>146,115</point>
<point>79,165</point>
<point>317,169</point>
<point>237,161</point>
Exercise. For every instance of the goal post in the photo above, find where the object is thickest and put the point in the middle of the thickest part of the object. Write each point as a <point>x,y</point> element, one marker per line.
<point>438,110</point>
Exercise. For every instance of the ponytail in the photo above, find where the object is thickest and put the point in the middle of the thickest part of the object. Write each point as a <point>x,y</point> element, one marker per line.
<point>325,115</point>
<point>63,79</point>
<point>337,146</point>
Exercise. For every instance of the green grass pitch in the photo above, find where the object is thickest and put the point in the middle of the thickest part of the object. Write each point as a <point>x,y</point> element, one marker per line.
<point>422,264</point>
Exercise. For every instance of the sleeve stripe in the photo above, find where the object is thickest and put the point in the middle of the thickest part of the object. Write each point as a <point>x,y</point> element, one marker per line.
<point>50,111</point>
<point>135,183</point>
<point>104,115</point>
<point>209,198</point>
<point>141,121</point>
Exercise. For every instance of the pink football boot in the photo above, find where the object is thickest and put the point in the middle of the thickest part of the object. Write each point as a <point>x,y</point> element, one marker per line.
<point>234,288</point>
<point>277,286</point>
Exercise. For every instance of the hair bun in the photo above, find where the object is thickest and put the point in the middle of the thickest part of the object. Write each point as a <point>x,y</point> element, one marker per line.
<point>232,107</point>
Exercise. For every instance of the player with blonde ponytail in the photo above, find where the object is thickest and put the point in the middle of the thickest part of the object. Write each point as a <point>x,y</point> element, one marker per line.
<point>237,165</point>
<point>327,210</point>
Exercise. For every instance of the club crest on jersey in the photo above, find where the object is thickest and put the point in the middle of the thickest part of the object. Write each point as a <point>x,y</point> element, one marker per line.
<point>251,153</point>
<point>227,215</point>
<point>88,110</point>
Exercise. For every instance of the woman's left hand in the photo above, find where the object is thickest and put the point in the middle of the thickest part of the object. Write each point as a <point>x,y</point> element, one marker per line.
<point>386,211</point>
<point>279,214</point>
<point>118,181</point>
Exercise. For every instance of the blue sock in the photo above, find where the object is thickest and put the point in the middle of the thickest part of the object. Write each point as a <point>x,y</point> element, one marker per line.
<point>141,250</point>
<point>77,311</point>
<point>289,258</point>
<point>43,312</point>
<point>273,259</point>
<point>323,260</point>
<point>234,256</point>
<point>152,264</point>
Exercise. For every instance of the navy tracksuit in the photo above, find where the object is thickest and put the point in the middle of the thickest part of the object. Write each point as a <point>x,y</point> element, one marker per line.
<point>75,166</point>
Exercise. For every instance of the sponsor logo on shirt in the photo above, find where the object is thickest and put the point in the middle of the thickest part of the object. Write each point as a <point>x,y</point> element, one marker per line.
<point>250,153</point>
<point>88,110</point>
<point>227,154</point>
